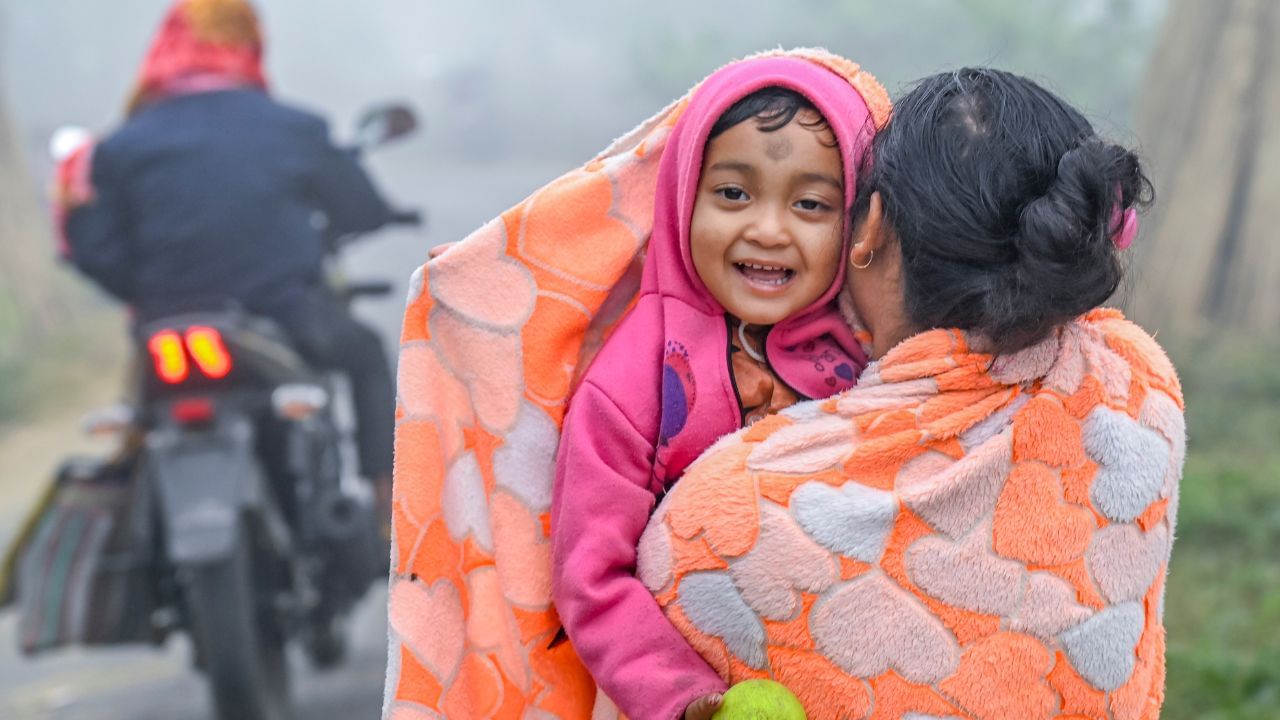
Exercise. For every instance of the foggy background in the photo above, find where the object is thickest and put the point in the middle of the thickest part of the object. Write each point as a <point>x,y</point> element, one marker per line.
<point>511,94</point>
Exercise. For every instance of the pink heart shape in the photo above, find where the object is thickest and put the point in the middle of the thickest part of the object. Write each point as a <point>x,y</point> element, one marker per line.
<point>634,177</point>
<point>1068,372</point>
<point>488,362</point>
<point>430,622</point>
<point>1049,607</point>
<point>522,552</point>
<point>1108,367</point>
<point>1124,561</point>
<point>491,628</point>
<point>805,448</point>
<point>870,625</point>
<point>966,573</point>
<point>478,282</point>
<point>429,391</point>
<point>783,563</point>
<point>953,496</point>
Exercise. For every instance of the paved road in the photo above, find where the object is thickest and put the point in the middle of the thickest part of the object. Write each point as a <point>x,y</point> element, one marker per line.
<point>158,684</point>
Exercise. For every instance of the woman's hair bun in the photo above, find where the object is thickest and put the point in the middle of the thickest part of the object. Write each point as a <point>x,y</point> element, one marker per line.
<point>1005,203</point>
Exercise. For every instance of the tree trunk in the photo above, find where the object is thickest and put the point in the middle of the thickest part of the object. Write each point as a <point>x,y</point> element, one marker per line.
<point>1210,119</point>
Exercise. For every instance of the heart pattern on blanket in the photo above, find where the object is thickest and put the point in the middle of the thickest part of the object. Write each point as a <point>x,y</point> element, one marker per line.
<point>713,604</point>
<point>417,448</point>
<point>429,622</point>
<point>1069,372</point>
<point>526,462</point>
<point>1132,464</point>
<point>1124,561</point>
<point>805,566</point>
<point>870,625</point>
<point>522,552</point>
<point>965,573</point>
<point>496,632</point>
<point>1115,373</point>
<point>1033,523</point>
<point>726,513</point>
<point>543,244</point>
<point>509,292</point>
<point>1102,648</point>
<point>953,496</point>
<point>634,176</point>
<point>654,558</point>
<point>1042,430</point>
<point>853,519</point>
<point>1162,414</point>
<point>466,509</point>
<point>818,446</point>
<point>487,362</point>
<point>443,398</point>
<point>1004,676</point>
<point>1048,608</point>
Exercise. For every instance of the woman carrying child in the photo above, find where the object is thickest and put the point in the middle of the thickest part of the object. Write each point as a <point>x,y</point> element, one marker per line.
<point>981,528</point>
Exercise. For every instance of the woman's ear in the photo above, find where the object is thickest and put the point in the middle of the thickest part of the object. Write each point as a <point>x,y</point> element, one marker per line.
<point>868,235</point>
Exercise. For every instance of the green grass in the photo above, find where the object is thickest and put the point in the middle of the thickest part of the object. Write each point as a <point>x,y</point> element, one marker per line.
<point>1223,598</point>
<point>40,371</point>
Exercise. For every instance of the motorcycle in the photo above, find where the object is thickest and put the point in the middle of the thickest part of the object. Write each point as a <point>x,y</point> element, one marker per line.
<point>232,516</point>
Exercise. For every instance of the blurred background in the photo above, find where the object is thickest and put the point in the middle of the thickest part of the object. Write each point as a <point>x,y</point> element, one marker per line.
<point>513,93</point>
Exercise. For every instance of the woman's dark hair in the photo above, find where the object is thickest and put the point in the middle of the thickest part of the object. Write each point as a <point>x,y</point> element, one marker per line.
<point>773,108</point>
<point>1002,198</point>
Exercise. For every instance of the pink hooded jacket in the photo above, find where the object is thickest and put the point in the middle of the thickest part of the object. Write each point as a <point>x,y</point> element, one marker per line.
<point>661,391</point>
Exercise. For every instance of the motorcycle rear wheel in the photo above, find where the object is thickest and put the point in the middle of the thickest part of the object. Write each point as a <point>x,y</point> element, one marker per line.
<point>240,640</point>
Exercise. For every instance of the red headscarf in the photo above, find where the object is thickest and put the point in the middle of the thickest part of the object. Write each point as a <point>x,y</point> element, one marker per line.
<point>202,45</point>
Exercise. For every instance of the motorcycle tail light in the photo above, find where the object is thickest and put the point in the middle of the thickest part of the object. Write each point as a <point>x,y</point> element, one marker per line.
<point>168,357</point>
<point>192,411</point>
<point>209,352</point>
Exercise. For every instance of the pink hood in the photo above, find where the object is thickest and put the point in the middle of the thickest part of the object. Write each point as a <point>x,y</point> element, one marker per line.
<point>814,351</point>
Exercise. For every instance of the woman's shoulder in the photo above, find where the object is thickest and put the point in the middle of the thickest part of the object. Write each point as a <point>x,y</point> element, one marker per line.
<point>1144,357</point>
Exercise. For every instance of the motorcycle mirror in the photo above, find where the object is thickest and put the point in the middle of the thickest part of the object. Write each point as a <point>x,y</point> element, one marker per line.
<point>383,124</point>
<point>66,140</point>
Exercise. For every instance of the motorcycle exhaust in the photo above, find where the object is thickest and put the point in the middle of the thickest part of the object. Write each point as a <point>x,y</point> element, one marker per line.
<point>351,538</point>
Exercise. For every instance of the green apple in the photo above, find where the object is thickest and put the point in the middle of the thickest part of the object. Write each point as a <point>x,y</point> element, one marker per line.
<point>760,700</point>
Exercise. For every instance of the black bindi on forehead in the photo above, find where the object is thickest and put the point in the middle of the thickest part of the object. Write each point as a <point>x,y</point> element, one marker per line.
<point>778,147</point>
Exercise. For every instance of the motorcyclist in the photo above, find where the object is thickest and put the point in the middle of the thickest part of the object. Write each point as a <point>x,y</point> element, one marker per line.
<point>213,191</point>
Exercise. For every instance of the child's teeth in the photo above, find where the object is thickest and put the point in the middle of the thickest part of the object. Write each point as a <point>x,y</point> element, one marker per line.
<point>767,274</point>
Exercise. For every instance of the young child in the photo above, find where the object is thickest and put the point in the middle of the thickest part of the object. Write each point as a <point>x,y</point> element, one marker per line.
<point>735,320</point>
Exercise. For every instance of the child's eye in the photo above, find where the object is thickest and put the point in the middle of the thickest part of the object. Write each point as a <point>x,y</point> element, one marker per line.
<point>811,205</point>
<point>733,194</point>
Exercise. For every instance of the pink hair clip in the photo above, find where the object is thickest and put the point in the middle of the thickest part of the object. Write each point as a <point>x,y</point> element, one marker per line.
<point>1124,224</point>
<point>1123,237</point>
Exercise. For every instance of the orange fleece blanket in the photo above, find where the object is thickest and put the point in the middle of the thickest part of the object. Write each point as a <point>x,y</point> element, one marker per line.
<point>494,334</point>
<point>960,536</point>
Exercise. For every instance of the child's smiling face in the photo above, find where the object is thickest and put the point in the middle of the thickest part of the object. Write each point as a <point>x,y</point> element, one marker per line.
<point>768,218</point>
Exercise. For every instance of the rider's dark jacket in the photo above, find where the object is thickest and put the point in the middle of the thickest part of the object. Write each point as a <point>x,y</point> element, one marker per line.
<point>218,195</point>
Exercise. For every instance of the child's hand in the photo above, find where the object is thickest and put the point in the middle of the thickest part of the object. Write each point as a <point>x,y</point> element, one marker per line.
<point>704,707</point>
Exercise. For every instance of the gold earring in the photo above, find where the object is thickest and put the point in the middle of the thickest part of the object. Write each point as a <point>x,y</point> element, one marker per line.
<point>870,257</point>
